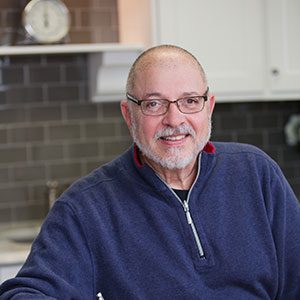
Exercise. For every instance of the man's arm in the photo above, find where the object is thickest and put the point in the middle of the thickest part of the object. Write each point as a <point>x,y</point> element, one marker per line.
<point>59,264</point>
<point>285,222</point>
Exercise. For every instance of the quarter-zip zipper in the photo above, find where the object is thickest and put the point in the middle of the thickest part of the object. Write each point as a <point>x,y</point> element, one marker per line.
<point>191,223</point>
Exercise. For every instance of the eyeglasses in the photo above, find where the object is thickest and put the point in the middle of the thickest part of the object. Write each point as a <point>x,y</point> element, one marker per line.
<point>158,107</point>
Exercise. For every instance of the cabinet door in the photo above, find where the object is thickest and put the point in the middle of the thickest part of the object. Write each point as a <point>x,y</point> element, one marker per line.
<point>284,45</point>
<point>226,36</point>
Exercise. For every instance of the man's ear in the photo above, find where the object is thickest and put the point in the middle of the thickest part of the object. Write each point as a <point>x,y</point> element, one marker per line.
<point>211,101</point>
<point>126,113</point>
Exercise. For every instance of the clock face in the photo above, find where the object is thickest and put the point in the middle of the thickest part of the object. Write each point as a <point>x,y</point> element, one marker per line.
<point>47,21</point>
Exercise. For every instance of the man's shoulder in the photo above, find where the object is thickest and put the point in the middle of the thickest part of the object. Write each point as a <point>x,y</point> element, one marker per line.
<point>243,152</point>
<point>236,148</point>
<point>238,156</point>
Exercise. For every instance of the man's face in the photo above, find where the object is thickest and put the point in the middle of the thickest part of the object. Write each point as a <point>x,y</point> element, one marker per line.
<point>173,140</point>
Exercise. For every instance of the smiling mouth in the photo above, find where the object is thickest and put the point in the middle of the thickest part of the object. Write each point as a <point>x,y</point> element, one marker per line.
<point>174,138</point>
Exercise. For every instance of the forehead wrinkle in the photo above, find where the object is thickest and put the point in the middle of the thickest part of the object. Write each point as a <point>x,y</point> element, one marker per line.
<point>159,95</point>
<point>154,94</point>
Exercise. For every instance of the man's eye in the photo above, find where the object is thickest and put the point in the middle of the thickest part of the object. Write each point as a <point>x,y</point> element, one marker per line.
<point>192,100</point>
<point>153,104</point>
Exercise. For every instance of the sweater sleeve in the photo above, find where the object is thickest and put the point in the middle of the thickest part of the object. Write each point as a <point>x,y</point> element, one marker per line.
<point>59,264</point>
<point>285,222</point>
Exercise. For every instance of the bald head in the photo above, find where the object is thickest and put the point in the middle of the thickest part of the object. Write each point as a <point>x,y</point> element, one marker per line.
<point>163,55</point>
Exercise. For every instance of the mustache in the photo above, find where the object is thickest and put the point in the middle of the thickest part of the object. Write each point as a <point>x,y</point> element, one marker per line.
<point>181,129</point>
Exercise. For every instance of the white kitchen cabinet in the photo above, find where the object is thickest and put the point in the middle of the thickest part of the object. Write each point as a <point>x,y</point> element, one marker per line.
<point>283,34</point>
<point>249,49</point>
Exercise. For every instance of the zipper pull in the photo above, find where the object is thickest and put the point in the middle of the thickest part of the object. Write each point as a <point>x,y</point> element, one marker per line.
<point>187,212</point>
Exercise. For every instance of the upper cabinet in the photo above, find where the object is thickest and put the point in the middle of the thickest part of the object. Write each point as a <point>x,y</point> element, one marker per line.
<point>283,46</point>
<point>249,49</point>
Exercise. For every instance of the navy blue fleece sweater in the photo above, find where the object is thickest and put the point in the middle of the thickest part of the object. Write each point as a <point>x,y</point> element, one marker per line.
<point>123,232</point>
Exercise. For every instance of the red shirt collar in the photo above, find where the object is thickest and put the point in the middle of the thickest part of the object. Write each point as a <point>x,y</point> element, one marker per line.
<point>209,148</point>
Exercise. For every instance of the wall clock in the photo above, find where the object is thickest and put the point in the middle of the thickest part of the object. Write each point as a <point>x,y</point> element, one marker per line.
<point>46,21</point>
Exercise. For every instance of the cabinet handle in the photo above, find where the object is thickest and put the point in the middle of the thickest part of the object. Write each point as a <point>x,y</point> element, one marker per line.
<point>275,72</point>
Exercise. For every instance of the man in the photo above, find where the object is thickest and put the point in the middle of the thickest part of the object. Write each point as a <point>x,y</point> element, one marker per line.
<point>175,216</point>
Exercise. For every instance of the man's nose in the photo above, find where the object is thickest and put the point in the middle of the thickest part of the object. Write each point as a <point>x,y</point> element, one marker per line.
<point>173,117</point>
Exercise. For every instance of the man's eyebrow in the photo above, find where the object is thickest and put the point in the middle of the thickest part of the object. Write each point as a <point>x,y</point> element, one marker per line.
<point>151,95</point>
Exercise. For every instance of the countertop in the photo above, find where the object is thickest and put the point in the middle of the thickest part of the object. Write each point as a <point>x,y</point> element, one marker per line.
<point>16,240</point>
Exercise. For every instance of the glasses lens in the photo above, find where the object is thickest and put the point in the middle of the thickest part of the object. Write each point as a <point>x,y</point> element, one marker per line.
<point>154,107</point>
<point>191,104</point>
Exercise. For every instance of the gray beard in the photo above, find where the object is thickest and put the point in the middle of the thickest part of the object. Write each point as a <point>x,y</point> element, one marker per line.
<point>173,159</point>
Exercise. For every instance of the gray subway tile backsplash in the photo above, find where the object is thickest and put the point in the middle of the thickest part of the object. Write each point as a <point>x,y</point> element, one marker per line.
<point>66,170</point>
<point>64,132</point>
<point>254,138</point>
<point>18,134</point>
<point>12,75</point>
<point>115,147</point>
<point>100,129</point>
<point>111,110</point>
<point>233,121</point>
<point>24,94</point>
<point>39,193</point>
<point>13,195</point>
<point>45,113</point>
<point>276,138</point>
<point>65,92</point>
<point>13,154</point>
<point>28,173</point>
<point>3,136</point>
<point>265,119</point>
<point>6,214</point>
<point>40,74</point>
<point>23,60</point>
<point>81,111</point>
<point>83,149</point>
<point>45,152</point>
<point>4,177</point>
<point>12,115</point>
<point>74,73</point>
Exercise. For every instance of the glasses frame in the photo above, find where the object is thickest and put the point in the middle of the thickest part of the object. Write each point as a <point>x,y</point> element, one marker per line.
<point>140,101</point>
